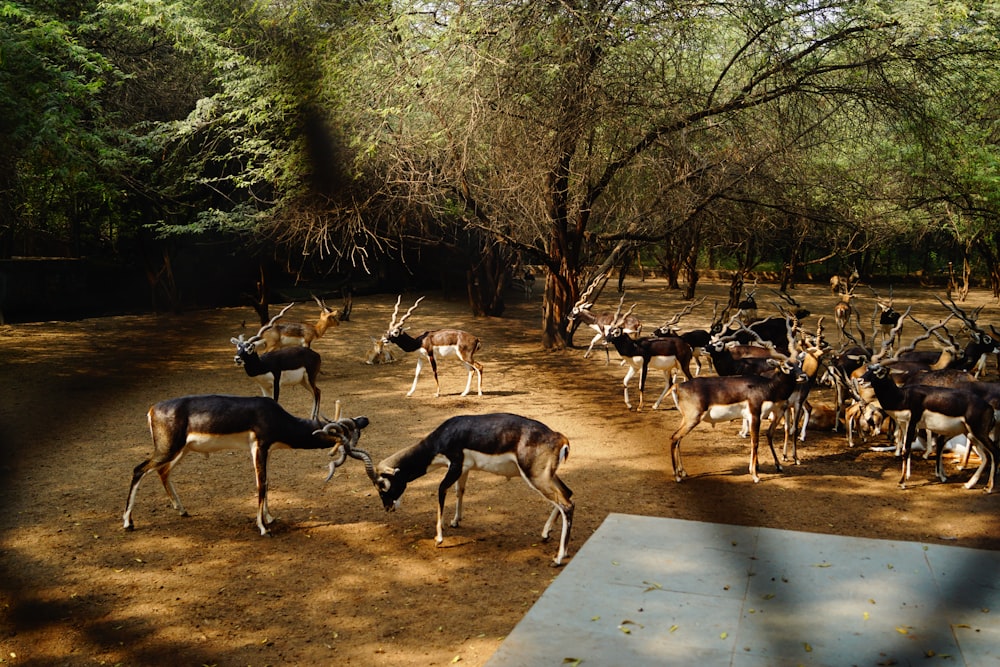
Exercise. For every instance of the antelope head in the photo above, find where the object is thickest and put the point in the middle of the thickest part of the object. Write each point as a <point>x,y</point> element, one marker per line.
<point>396,328</point>
<point>250,345</point>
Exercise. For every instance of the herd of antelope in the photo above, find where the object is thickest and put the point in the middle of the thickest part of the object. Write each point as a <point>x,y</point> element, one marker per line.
<point>765,368</point>
<point>281,354</point>
<point>762,369</point>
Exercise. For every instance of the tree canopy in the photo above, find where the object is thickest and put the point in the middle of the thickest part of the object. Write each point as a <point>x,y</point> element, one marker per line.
<point>331,135</point>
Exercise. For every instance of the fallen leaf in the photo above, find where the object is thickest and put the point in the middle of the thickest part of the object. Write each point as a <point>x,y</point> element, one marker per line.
<point>865,616</point>
<point>767,596</point>
<point>457,658</point>
<point>807,647</point>
<point>723,635</point>
<point>673,628</point>
<point>653,586</point>
<point>572,661</point>
<point>822,564</point>
<point>901,630</point>
<point>595,618</point>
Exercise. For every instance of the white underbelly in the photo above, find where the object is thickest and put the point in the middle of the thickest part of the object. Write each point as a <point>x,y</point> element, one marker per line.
<point>207,443</point>
<point>498,464</point>
<point>939,423</point>
<point>727,413</point>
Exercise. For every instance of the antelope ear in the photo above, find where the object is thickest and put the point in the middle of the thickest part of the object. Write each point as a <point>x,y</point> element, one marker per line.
<point>235,341</point>
<point>383,484</point>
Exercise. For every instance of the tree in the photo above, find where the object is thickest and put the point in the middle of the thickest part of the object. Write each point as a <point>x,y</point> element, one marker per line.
<point>545,138</point>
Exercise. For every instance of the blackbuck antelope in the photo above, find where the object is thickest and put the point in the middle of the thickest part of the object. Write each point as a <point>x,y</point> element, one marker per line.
<point>212,423</point>
<point>433,345</point>
<point>720,399</point>
<point>503,444</point>
<point>887,318</point>
<point>698,339</point>
<point>958,379</point>
<point>668,354</point>
<point>286,365</point>
<point>844,309</point>
<point>601,322</point>
<point>942,411</point>
<point>746,309</point>
<point>981,343</point>
<point>286,334</point>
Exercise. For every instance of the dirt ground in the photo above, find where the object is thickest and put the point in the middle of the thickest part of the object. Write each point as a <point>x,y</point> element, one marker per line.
<point>342,581</point>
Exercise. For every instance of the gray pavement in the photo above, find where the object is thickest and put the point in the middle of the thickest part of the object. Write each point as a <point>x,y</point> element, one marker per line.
<point>652,591</point>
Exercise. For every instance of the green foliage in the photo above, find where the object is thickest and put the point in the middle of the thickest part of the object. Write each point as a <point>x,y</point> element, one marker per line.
<point>61,154</point>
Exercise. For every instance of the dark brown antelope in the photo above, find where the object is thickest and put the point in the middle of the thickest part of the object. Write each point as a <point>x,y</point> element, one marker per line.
<point>720,399</point>
<point>211,423</point>
<point>286,365</point>
<point>504,444</point>
<point>433,345</point>
<point>663,353</point>
<point>945,412</point>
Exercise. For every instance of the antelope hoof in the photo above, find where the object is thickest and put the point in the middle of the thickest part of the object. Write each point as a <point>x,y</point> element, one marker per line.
<point>130,527</point>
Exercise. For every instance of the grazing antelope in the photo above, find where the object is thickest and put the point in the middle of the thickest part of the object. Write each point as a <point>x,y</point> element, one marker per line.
<point>664,353</point>
<point>286,334</point>
<point>286,365</point>
<point>432,345</point>
<point>503,444</point>
<point>945,412</point>
<point>600,322</point>
<point>719,399</point>
<point>212,423</point>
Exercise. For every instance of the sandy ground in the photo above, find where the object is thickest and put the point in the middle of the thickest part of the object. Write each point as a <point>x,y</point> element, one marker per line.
<point>341,581</point>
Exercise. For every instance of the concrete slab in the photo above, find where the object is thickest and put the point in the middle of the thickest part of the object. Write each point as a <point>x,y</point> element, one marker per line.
<point>652,591</point>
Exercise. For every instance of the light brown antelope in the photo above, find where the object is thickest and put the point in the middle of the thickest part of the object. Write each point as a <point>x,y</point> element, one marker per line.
<point>504,444</point>
<point>720,399</point>
<point>287,334</point>
<point>286,365</point>
<point>433,345</point>
<point>211,423</point>
<point>600,322</point>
